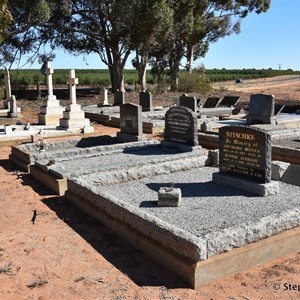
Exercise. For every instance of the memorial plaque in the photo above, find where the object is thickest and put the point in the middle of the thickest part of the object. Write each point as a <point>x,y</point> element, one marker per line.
<point>119,97</point>
<point>229,101</point>
<point>189,102</point>
<point>211,102</point>
<point>245,152</point>
<point>131,119</point>
<point>181,126</point>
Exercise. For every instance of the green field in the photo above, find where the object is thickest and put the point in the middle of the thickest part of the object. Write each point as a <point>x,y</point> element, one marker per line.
<point>22,79</point>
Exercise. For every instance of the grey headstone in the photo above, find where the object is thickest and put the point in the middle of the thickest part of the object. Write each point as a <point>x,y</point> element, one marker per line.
<point>189,102</point>
<point>245,152</point>
<point>181,126</point>
<point>119,97</point>
<point>229,101</point>
<point>169,196</point>
<point>211,102</point>
<point>291,175</point>
<point>261,109</point>
<point>131,119</point>
<point>146,101</point>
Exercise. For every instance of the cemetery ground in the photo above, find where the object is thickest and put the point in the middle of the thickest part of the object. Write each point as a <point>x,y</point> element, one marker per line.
<point>67,255</point>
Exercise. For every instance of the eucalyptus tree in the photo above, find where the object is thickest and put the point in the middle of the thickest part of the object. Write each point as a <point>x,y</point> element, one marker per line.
<point>197,24</point>
<point>19,29</point>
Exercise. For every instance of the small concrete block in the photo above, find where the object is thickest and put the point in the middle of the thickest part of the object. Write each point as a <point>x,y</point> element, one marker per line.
<point>291,175</point>
<point>278,169</point>
<point>168,196</point>
<point>8,129</point>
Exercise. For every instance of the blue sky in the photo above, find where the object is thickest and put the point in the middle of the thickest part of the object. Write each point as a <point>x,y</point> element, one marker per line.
<point>266,41</point>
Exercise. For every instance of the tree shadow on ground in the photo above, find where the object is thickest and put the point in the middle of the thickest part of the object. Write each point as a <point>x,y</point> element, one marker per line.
<point>129,260</point>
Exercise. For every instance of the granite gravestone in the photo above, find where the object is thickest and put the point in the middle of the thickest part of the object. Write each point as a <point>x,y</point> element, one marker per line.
<point>181,126</point>
<point>245,152</point>
<point>245,160</point>
<point>189,102</point>
<point>131,119</point>
<point>119,97</point>
<point>229,101</point>
<point>211,102</point>
<point>261,109</point>
<point>146,101</point>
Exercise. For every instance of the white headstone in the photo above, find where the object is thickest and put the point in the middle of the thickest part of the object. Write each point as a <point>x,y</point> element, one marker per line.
<point>72,86</point>
<point>103,97</point>
<point>13,112</point>
<point>49,71</point>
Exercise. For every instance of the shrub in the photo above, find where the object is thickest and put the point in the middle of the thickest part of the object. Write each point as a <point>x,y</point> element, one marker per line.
<point>193,82</point>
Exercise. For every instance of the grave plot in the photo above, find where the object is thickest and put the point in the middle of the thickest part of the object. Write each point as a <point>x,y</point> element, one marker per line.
<point>55,167</point>
<point>215,231</point>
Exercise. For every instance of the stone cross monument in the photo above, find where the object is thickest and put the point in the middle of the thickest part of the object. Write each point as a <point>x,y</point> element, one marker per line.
<point>73,116</point>
<point>51,111</point>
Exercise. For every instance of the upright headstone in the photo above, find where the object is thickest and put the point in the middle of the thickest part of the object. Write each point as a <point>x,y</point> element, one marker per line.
<point>7,88</point>
<point>261,109</point>
<point>189,102</point>
<point>131,124</point>
<point>73,116</point>
<point>229,101</point>
<point>245,160</point>
<point>211,102</point>
<point>13,111</point>
<point>146,101</point>
<point>50,111</point>
<point>181,126</point>
<point>103,97</point>
<point>119,97</point>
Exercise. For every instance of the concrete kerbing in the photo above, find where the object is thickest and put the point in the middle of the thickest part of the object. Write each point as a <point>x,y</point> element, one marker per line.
<point>270,188</point>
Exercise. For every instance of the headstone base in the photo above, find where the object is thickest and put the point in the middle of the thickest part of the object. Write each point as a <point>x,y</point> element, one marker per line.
<point>13,115</point>
<point>261,189</point>
<point>49,119</point>
<point>126,138</point>
<point>173,147</point>
<point>74,123</point>
<point>168,196</point>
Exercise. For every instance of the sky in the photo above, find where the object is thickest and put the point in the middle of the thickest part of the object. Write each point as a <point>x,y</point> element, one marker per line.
<point>267,40</point>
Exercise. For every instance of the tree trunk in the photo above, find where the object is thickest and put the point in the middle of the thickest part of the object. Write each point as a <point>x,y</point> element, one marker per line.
<point>141,66</point>
<point>174,73</point>
<point>190,59</point>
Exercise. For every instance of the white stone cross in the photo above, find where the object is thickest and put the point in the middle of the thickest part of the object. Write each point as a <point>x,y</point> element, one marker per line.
<point>72,82</point>
<point>49,71</point>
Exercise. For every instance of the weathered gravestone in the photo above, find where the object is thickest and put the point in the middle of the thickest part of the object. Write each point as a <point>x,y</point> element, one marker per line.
<point>119,97</point>
<point>245,160</point>
<point>168,196</point>
<point>181,126</point>
<point>229,101</point>
<point>13,110</point>
<point>261,109</point>
<point>211,102</point>
<point>103,97</point>
<point>131,124</point>
<point>189,102</point>
<point>146,101</point>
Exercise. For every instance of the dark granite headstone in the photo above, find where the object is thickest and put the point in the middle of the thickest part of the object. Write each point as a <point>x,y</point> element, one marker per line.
<point>211,102</point>
<point>245,152</point>
<point>261,109</point>
<point>181,126</point>
<point>229,101</point>
<point>189,102</point>
<point>146,101</point>
<point>119,97</point>
<point>131,119</point>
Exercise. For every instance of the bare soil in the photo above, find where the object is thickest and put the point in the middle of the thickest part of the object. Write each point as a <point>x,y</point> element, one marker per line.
<point>64,254</point>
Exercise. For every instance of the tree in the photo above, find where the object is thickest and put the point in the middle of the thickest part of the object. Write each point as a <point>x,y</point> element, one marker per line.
<point>151,25</point>
<point>19,23</point>
<point>196,24</point>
